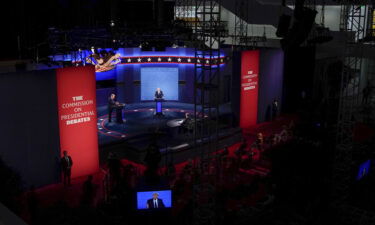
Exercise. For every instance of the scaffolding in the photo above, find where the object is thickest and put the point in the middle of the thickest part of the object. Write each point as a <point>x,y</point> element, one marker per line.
<point>353,23</point>
<point>240,22</point>
<point>349,98</point>
<point>208,31</point>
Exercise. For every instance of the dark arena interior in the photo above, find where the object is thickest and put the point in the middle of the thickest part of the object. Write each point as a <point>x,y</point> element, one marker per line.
<point>179,112</point>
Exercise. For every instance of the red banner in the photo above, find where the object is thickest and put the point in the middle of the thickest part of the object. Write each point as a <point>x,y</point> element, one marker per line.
<point>249,88</point>
<point>76,90</point>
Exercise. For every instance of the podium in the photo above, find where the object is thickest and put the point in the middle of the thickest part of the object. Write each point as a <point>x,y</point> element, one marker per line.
<point>159,106</point>
<point>119,117</point>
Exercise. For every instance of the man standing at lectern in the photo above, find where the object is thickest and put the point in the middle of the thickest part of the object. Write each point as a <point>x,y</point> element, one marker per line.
<point>66,166</point>
<point>112,103</point>
<point>158,94</point>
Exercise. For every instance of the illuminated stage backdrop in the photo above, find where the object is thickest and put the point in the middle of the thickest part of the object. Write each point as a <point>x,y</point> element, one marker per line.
<point>165,78</point>
<point>249,88</point>
<point>76,89</point>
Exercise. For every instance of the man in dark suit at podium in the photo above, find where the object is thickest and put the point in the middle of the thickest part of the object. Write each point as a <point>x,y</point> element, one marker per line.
<point>155,202</point>
<point>112,104</point>
<point>158,94</point>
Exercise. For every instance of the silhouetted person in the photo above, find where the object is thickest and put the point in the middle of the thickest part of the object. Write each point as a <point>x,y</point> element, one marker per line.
<point>259,141</point>
<point>88,192</point>
<point>155,202</point>
<point>153,157</point>
<point>275,109</point>
<point>66,166</point>
<point>114,166</point>
<point>241,150</point>
<point>225,152</point>
<point>186,125</point>
<point>171,170</point>
<point>366,93</point>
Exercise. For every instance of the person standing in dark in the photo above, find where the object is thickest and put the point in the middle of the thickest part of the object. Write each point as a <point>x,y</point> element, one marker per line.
<point>366,92</point>
<point>88,192</point>
<point>242,149</point>
<point>153,157</point>
<point>259,141</point>
<point>186,125</point>
<point>225,152</point>
<point>275,109</point>
<point>112,103</point>
<point>66,165</point>
<point>114,166</point>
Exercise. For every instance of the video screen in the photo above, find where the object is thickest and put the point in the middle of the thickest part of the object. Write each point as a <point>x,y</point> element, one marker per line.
<point>364,169</point>
<point>153,200</point>
<point>165,78</point>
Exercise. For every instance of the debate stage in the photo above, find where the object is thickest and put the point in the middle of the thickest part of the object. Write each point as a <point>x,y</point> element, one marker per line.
<point>141,127</point>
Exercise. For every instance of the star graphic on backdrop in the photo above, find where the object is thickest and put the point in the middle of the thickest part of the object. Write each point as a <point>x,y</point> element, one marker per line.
<point>129,60</point>
<point>139,59</point>
<point>159,59</point>
<point>169,59</point>
<point>179,59</point>
<point>207,61</point>
<point>149,59</point>
<point>198,61</point>
<point>189,60</point>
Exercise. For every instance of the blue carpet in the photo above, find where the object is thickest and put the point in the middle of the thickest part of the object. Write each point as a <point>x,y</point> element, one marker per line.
<point>139,119</point>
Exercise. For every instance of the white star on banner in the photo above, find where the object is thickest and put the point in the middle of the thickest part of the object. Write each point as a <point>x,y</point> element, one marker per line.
<point>139,59</point>
<point>149,59</point>
<point>129,60</point>
<point>169,59</point>
<point>159,59</point>
<point>189,60</point>
<point>179,59</point>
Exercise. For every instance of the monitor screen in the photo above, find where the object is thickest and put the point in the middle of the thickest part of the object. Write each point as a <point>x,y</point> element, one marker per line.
<point>363,169</point>
<point>154,199</point>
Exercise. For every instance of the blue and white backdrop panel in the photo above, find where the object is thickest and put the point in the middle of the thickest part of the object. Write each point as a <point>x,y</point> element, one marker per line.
<point>165,78</point>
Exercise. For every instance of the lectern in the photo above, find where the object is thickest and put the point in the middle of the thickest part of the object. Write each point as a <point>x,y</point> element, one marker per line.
<point>159,106</point>
<point>119,108</point>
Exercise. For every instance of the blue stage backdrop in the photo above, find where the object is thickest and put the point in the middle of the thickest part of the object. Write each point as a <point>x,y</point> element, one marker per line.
<point>165,78</point>
<point>142,198</point>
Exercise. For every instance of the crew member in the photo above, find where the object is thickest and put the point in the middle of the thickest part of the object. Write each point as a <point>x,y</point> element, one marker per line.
<point>186,125</point>
<point>66,165</point>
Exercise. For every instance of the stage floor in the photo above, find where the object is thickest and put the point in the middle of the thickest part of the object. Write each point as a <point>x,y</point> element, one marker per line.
<point>140,121</point>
